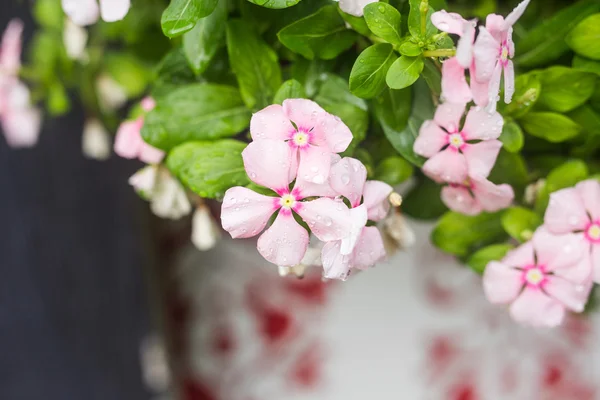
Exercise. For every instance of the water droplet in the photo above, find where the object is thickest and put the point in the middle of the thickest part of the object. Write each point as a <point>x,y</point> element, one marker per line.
<point>319,179</point>
<point>381,9</point>
<point>252,175</point>
<point>327,221</point>
<point>345,179</point>
<point>314,169</point>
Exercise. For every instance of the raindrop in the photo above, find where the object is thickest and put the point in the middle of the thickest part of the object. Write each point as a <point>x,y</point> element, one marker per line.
<point>381,9</point>
<point>327,221</point>
<point>345,179</point>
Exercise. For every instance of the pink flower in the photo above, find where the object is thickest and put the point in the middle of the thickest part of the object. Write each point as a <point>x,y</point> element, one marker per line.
<point>245,213</point>
<point>311,134</point>
<point>10,49</point>
<point>493,50</point>
<point>87,12</point>
<point>476,195</point>
<point>577,210</point>
<point>540,279</point>
<point>129,142</point>
<point>452,155</point>
<point>362,246</point>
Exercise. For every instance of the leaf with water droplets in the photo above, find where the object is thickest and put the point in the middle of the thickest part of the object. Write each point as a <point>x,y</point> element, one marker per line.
<point>495,252</point>
<point>520,223</point>
<point>367,78</point>
<point>290,89</point>
<point>564,89</point>
<point>275,4</point>
<point>384,21</point>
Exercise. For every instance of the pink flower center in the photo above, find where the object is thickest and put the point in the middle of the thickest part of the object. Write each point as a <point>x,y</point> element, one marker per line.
<point>456,140</point>
<point>288,202</point>
<point>592,232</point>
<point>504,53</point>
<point>300,138</point>
<point>534,276</point>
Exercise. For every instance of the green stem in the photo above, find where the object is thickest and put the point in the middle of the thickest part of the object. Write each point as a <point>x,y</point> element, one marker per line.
<point>439,53</point>
<point>424,8</point>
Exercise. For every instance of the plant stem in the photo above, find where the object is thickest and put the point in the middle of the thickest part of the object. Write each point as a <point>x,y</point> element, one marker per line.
<point>424,8</point>
<point>439,53</point>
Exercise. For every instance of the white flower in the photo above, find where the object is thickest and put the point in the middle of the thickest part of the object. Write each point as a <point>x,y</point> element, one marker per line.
<point>205,232</point>
<point>75,39</point>
<point>111,95</point>
<point>144,181</point>
<point>169,199</point>
<point>96,142</point>
<point>354,7</point>
<point>87,12</point>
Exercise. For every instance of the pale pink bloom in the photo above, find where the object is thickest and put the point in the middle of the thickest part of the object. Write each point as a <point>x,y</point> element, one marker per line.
<point>354,7</point>
<point>246,213</point>
<point>10,49</point>
<point>476,195</point>
<point>87,12</point>
<point>493,51</point>
<point>577,210</point>
<point>95,141</point>
<point>129,142</point>
<point>452,155</point>
<point>311,134</point>
<point>540,279</point>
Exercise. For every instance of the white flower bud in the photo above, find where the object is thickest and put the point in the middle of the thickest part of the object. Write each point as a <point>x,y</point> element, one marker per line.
<point>96,141</point>
<point>205,232</point>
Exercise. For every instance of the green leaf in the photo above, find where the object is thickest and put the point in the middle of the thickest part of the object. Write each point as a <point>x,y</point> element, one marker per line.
<point>512,136</point>
<point>423,201</point>
<point>128,71</point>
<point>527,92</point>
<point>459,234</point>
<point>410,49</point>
<point>585,64</point>
<point>181,15</point>
<point>564,89</point>
<point>320,35</point>
<point>201,43</point>
<point>367,78</point>
<point>482,257</point>
<point>404,72</point>
<point>520,223</point>
<point>563,176</point>
<point>433,77</point>
<point>254,63</point>
<point>290,89</point>
<point>275,4</point>
<point>394,170</point>
<point>384,21</point>
<point>195,112</point>
<point>510,168</point>
<point>414,20</point>
<point>552,127</point>
<point>584,38</point>
<point>209,168</point>
<point>357,23</point>
<point>546,42</point>
<point>587,118</point>
<point>49,14</point>
<point>58,102</point>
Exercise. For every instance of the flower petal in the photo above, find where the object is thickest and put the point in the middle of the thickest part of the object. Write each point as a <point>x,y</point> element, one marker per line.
<point>448,116</point>
<point>566,212</point>
<point>581,272</point>
<point>481,157</point>
<point>375,197</point>
<point>501,283</point>
<point>358,220</point>
<point>446,166</point>
<point>464,48</point>
<point>492,197</point>
<point>494,88</point>
<point>459,199</point>
<point>114,10</point>
<point>354,7</point>
<point>271,123</point>
<point>485,53</point>
<point>448,22</point>
<point>268,162</point>
<point>22,127</point>
<point>245,213</point>
<point>455,88</point>
<point>595,260</point>
<point>494,23</point>
<point>520,257</point>
<point>481,125</point>
<point>369,249</point>
<point>533,307</point>
<point>314,164</point>
<point>128,139</point>
<point>205,233</point>
<point>589,191</point>
<point>149,154</point>
<point>82,12</point>
<point>285,242</point>
<point>327,219</point>
<point>479,90</point>
<point>10,50</point>
<point>515,14</point>
<point>347,178</point>
<point>305,113</point>
<point>558,251</point>
<point>335,132</point>
<point>430,140</point>
<point>509,81</point>
<point>335,265</point>
<point>571,295</point>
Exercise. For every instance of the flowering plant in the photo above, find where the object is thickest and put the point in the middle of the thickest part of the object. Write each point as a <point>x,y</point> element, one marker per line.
<point>301,117</point>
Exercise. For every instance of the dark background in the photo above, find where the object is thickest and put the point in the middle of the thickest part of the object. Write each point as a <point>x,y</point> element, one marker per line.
<point>73,301</point>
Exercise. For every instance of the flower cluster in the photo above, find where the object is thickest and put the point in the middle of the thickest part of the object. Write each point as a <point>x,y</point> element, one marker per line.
<point>555,271</point>
<point>294,153</point>
<point>87,12</point>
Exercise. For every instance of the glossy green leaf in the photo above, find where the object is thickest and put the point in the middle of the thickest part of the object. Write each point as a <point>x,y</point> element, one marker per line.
<point>585,64</point>
<point>520,223</point>
<point>404,72</point>
<point>394,170</point>
<point>433,76</point>
<point>290,89</point>
<point>584,38</point>
<point>367,78</point>
<point>181,15</point>
<point>320,35</point>
<point>415,20</point>
<point>482,257</point>
<point>564,89</point>
<point>563,176</point>
<point>384,21</point>
<point>423,201</point>
<point>49,14</point>
<point>510,168</point>
<point>195,112</point>
<point>527,92</point>
<point>357,23</point>
<point>587,118</point>
<point>512,136</point>
<point>550,126</point>
<point>128,71</point>
<point>410,49</point>
<point>209,168</point>
<point>276,4</point>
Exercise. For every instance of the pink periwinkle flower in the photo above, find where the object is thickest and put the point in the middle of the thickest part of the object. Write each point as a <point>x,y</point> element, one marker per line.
<point>493,51</point>
<point>577,210</point>
<point>452,153</point>
<point>311,133</point>
<point>246,213</point>
<point>540,279</point>
<point>129,142</point>
<point>87,12</point>
<point>476,195</point>
<point>362,246</point>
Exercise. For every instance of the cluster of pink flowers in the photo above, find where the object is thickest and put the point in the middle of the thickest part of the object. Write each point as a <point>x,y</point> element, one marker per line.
<point>555,271</point>
<point>294,152</point>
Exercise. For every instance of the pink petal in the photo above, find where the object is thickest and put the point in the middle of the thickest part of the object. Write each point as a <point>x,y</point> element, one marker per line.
<point>481,157</point>
<point>455,88</point>
<point>358,220</point>
<point>566,212</point>
<point>479,90</point>
<point>515,14</point>
<point>335,265</point>
<point>245,213</point>
<point>10,50</point>
<point>595,259</point>
<point>446,166</point>
<point>309,189</point>
<point>285,242</point>
<point>589,191</point>
<point>114,10</point>
<point>482,125</point>
<point>558,251</point>
<point>448,22</point>
<point>347,178</point>
<point>271,123</point>
<point>448,116</point>
<point>22,127</point>
<point>492,197</point>
<point>580,272</point>
<point>304,113</point>
<point>268,162</point>
<point>369,249</point>
<point>501,283</point>
<point>375,199</point>
<point>148,104</point>
<point>459,199</point>
<point>128,139</point>
<point>509,43</point>
<point>149,154</point>
<point>485,53</point>
<point>494,88</point>
<point>314,164</point>
<point>509,81</point>
<point>336,134</point>
<point>533,307</point>
<point>430,140</point>
<point>571,295</point>
<point>82,12</point>
<point>327,219</point>
<point>464,48</point>
<point>494,23</point>
<point>520,257</point>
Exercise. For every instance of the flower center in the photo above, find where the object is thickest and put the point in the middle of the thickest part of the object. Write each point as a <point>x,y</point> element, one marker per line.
<point>504,54</point>
<point>534,276</point>
<point>456,140</point>
<point>300,139</point>
<point>592,232</point>
<point>287,201</point>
